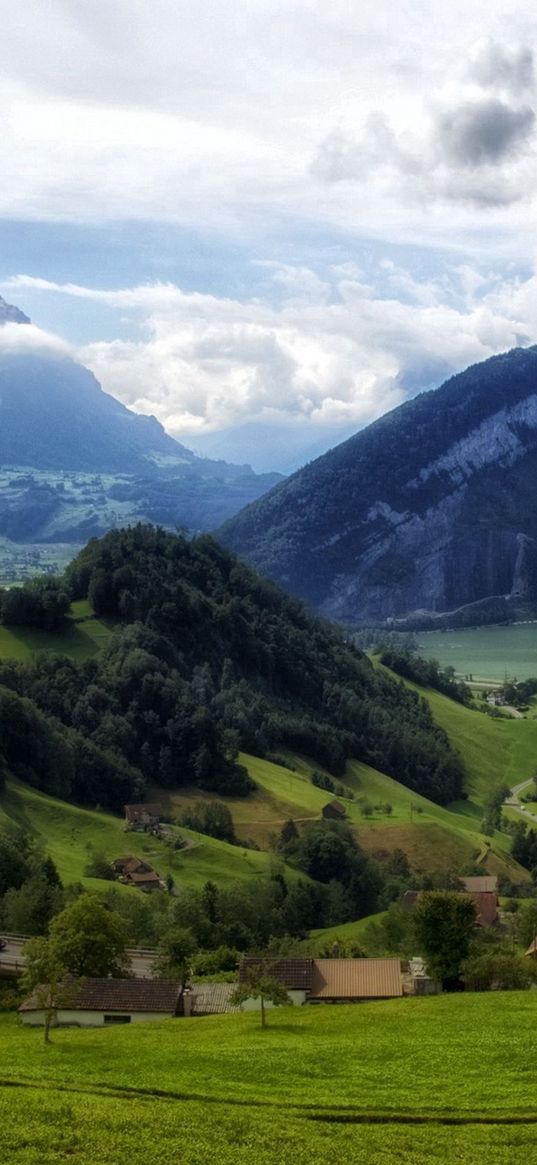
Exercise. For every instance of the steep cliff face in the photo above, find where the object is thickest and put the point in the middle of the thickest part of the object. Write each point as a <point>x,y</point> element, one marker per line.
<point>431,508</point>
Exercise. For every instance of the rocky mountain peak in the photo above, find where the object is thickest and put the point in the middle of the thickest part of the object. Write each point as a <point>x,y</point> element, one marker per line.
<point>9,314</point>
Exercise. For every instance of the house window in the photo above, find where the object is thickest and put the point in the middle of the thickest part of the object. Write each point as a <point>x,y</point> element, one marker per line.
<point>117,1018</point>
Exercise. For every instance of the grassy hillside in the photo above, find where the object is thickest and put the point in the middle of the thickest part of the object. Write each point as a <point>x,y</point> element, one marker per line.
<point>83,636</point>
<point>413,1080</point>
<point>71,835</point>
<point>487,653</point>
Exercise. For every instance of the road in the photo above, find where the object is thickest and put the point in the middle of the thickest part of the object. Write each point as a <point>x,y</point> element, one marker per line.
<point>514,802</point>
<point>12,959</point>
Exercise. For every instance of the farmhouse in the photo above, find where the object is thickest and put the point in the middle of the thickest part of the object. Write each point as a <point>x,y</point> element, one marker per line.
<point>103,1002</point>
<point>143,818</point>
<point>329,980</point>
<point>483,890</point>
<point>334,809</point>
<point>135,872</point>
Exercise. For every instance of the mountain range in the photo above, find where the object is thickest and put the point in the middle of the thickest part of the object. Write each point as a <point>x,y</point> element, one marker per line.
<point>75,462</point>
<point>429,512</point>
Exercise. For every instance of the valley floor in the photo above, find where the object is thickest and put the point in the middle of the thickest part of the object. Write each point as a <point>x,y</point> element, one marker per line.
<point>418,1081</point>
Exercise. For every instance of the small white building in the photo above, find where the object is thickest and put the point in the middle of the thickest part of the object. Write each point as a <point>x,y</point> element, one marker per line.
<point>104,1002</point>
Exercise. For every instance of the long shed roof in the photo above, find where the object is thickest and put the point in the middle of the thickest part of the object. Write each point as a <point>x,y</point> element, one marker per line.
<point>356,979</point>
<point>158,995</point>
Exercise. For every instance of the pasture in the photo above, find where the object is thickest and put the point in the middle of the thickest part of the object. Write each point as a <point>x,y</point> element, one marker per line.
<point>485,653</point>
<point>419,1081</point>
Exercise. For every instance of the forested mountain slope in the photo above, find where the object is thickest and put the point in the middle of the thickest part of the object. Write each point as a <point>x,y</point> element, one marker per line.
<point>75,462</point>
<point>206,657</point>
<point>430,508</point>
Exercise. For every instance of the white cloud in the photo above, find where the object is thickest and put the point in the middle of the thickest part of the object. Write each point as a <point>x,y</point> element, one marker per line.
<point>26,339</point>
<point>210,115</point>
<point>334,352</point>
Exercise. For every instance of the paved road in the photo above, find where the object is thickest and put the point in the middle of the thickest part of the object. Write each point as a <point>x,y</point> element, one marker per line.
<point>514,802</point>
<point>12,959</point>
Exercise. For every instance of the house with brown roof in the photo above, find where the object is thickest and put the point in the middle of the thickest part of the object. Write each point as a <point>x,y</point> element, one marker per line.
<point>329,980</point>
<point>334,810</point>
<point>143,818</point>
<point>134,872</point>
<point>105,1002</point>
<point>483,890</point>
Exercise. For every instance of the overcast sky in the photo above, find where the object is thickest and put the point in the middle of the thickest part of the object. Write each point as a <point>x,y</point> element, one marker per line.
<point>268,222</point>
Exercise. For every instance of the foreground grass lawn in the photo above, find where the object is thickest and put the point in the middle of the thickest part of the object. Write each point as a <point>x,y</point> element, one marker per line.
<point>419,1081</point>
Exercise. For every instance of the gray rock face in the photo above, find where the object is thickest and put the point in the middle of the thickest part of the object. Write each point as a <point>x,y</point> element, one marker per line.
<point>432,508</point>
<point>11,315</point>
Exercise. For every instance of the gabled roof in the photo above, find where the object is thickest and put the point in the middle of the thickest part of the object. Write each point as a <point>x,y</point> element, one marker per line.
<point>295,974</point>
<point>336,808</point>
<point>484,884</point>
<point>144,876</point>
<point>356,979</point>
<point>135,812</point>
<point>213,998</point>
<point>160,995</point>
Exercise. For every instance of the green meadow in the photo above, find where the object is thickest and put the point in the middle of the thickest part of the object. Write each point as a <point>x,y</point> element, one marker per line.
<point>71,835</point>
<point>486,653</point>
<point>418,1081</point>
<point>82,637</point>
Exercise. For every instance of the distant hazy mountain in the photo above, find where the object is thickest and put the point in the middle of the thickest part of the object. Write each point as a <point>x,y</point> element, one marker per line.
<point>430,509</point>
<point>75,462</point>
<point>281,447</point>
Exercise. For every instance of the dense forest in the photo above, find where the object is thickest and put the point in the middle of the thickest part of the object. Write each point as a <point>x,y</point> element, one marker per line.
<point>206,657</point>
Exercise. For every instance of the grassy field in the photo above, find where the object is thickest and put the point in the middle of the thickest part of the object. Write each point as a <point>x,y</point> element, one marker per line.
<point>84,634</point>
<point>419,1081</point>
<point>71,835</point>
<point>486,653</point>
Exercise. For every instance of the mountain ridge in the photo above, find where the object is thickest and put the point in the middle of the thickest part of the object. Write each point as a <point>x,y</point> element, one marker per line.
<point>427,509</point>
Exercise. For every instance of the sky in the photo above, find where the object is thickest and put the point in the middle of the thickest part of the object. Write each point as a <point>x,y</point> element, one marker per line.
<point>267,222</point>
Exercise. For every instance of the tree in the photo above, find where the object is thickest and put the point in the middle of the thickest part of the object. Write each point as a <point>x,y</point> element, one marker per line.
<point>88,939</point>
<point>496,968</point>
<point>44,978</point>
<point>444,923</point>
<point>176,951</point>
<point>261,983</point>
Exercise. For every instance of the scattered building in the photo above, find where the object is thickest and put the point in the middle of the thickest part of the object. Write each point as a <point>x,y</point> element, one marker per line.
<point>483,890</point>
<point>209,999</point>
<point>134,872</point>
<point>143,818</point>
<point>329,980</point>
<point>333,809</point>
<point>104,1002</point>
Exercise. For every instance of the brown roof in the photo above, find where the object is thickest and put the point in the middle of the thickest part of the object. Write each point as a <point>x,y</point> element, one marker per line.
<point>485,884</point>
<point>161,995</point>
<point>486,908</point>
<point>335,808</point>
<point>356,979</point>
<point>144,877</point>
<point>131,865</point>
<point>295,974</point>
<point>213,998</point>
<point>135,812</point>
<point>532,949</point>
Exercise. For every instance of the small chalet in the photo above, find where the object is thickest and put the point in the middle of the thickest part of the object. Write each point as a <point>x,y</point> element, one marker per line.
<point>134,872</point>
<point>143,818</point>
<point>329,980</point>
<point>334,810</point>
<point>482,889</point>
<point>104,1002</point>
